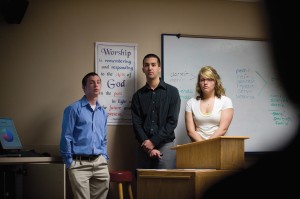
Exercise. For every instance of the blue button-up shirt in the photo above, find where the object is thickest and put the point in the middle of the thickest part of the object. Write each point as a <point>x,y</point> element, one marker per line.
<point>83,131</point>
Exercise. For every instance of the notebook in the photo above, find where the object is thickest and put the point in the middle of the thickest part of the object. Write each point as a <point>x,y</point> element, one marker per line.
<point>11,145</point>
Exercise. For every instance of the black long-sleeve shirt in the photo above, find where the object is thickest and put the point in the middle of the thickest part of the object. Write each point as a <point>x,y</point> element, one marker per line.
<point>155,113</point>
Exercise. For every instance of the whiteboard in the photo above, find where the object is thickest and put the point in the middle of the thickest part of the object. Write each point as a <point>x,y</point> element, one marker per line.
<point>262,111</point>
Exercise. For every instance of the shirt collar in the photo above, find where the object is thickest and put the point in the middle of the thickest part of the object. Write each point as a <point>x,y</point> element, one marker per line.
<point>84,102</point>
<point>161,84</point>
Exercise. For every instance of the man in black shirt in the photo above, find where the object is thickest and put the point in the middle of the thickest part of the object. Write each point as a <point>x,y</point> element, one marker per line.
<point>155,110</point>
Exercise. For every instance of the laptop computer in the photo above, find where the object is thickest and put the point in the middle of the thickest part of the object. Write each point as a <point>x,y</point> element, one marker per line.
<point>11,145</point>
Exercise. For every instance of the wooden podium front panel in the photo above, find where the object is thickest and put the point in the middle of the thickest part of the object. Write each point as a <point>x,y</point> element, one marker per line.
<point>198,156</point>
<point>219,153</point>
<point>176,183</point>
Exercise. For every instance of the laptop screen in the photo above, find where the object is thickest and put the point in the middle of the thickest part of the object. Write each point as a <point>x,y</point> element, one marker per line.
<point>8,135</point>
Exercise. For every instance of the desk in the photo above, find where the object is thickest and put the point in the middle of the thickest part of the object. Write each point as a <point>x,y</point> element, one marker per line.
<point>32,177</point>
<point>23,160</point>
<point>176,183</point>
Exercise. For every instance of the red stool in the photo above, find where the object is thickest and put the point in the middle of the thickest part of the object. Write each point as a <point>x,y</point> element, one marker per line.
<point>122,177</point>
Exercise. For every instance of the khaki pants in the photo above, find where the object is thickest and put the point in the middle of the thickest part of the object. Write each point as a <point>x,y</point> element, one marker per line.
<point>89,179</point>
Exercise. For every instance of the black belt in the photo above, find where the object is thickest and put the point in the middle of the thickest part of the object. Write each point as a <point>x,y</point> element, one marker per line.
<point>85,157</point>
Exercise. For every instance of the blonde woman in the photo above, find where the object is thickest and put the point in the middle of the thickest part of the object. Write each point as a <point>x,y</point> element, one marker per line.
<point>210,113</point>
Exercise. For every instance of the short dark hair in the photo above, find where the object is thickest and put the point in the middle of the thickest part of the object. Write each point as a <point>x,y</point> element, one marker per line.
<point>85,78</point>
<point>151,55</point>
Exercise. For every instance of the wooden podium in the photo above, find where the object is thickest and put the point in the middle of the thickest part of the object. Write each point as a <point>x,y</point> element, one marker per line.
<point>198,166</point>
<point>225,152</point>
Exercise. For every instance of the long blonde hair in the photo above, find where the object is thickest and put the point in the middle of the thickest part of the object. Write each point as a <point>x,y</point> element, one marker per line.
<point>210,72</point>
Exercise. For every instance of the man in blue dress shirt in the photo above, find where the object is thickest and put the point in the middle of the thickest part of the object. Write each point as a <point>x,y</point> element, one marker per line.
<point>83,143</point>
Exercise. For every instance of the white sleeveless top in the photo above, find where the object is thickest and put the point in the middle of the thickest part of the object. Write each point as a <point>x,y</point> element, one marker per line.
<point>206,124</point>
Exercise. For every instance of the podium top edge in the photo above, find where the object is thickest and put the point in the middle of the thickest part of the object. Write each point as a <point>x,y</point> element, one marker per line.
<point>238,137</point>
<point>209,140</point>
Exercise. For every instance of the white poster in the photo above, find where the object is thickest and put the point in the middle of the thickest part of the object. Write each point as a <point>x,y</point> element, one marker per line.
<point>116,64</point>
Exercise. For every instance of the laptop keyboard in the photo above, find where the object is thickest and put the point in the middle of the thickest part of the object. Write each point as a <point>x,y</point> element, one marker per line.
<point>22,153</point>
